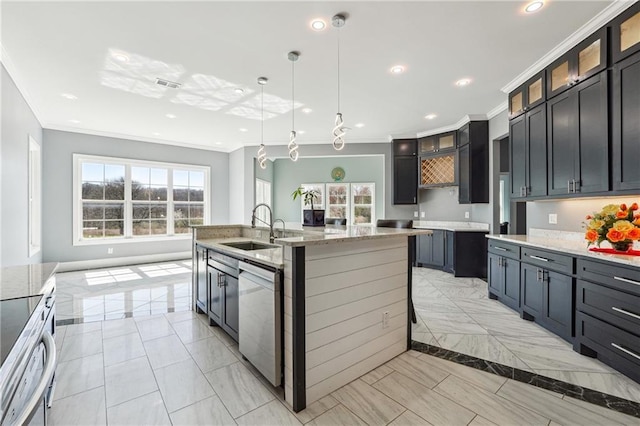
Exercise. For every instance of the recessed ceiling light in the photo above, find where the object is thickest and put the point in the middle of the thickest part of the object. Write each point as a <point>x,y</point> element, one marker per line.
<point>307,110</point>
<point>359,125</point>
<point>239,90</point>
<point>242,129</point>
<point>170,115</point>
<point>430,116</point>
<point>69,96</point>
<point>397,69</point>
<point>318,24</point>
<point>534,6</point>
<point>74,121</point>
<point>156,134</point>
<point>463,82</point>
<point>120,57</point>
<point>218,143</point>
<point>301,132</point>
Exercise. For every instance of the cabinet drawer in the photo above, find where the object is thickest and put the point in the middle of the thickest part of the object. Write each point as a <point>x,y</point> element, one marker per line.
<point>501,248</point>
<point>622,278</point>
<point>613,306</point>
<point>547,260</point>
<point>614,346</point>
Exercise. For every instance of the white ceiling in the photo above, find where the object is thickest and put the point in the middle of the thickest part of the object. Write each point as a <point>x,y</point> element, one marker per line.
<point>52,48</point>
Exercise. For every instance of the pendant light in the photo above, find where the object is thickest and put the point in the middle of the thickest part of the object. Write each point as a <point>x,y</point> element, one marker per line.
<point>338,129</point>
<point>262,153</point>
<point>293,146</point>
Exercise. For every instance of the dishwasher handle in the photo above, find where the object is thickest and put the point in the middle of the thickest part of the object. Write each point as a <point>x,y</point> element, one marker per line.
<point>259,272</point>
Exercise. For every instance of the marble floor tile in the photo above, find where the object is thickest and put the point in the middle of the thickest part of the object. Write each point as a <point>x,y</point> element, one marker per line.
<point>415,368</point>
<point>180,316</point>
<point>79,375</point>
<point>128,380</point>
<point>435,304</point>
<point>86,408</point>
<point>210,354</point>
<point>481,346</point>
<point>122,348</point>
<point>210,411</point>
<point>271,413</point>
<point>117,328</point>
<point>165,351</point>
<point>431,406</point>
<point>550,406</point>
<point>409,418</point>
<point>484,380</point>
<point>610,383</point>
<point>377,374</point>
<point>439,322</point>
<point>182,384</point>
<point>483,306</point>
<point>615,416</point>
<point>154,328</point>
<point>222,335</point>
<point>338,415</point>
<point>191,330</point>
<point>316,408</point>
<point>61,331</point>
<point>508,325</point>
<point>74,329</point>
<point>454,292</point>
<point>368,403</point>
<point>427,291</point>
<point>426,337</point>
<point>490,406</point>
<point>81,345</point>
<point>238,389</point>
<point>145,410</point>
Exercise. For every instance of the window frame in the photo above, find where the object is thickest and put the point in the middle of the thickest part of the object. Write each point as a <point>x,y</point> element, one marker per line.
<point>128,163</point>
<point>371,205</point>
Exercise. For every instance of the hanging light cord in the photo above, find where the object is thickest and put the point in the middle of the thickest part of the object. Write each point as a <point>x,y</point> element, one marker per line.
<point>293,146</point>
<point>338,129</point>
<point>262,154</point>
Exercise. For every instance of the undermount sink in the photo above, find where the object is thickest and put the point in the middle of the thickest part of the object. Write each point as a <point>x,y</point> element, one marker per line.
<point>250,245</point>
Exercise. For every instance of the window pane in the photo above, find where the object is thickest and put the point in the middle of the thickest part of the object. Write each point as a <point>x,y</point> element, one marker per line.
<point>113,172</point>
<point>337,212</point>
<point>196,211</point>
<point>181,226</point>
<point>181,211</point>
<point>139,192</point>
<point>180,194</point>
<point>114,211</point>
<point>92,191</point>
<point>158,211</point>
<point>92,211</point>
<point>196,221</point>
<point>158,193</point>
<point>114,228</point>
<point>92,229</point>
<point>140,175</point>
<point>158,176</point>
<point>158,227</point>
<point>140,211</point>
<point>140,227</point>
<point>196,195</point>
<point>114,191</point>
<point>92,172</point>
<point>180,178</point>
<point>196,179</point>
<point>362,214</point>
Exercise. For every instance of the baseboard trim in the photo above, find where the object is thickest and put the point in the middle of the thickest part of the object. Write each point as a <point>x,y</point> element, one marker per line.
<point>121,261</point>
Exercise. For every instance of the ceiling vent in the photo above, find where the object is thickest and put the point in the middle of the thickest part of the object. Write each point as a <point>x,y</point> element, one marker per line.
<point>167,83</point>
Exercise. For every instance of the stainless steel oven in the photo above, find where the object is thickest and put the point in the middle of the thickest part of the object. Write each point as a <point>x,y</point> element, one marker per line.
<point>27,372</point>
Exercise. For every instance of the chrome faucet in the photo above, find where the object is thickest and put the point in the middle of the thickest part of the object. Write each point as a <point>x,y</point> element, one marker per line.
<point>271,221</point>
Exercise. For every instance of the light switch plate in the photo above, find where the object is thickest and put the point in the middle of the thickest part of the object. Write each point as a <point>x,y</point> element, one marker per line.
<point>422,215</point>
<point>466,215</point>
<point>415,214</point>
<point>553,218</point>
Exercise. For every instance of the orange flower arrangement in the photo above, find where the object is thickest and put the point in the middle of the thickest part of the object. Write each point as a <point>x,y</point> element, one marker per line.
<point>618,224</point>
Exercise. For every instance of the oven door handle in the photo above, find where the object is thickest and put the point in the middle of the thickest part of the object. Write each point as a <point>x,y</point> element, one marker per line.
<point>36,399</point>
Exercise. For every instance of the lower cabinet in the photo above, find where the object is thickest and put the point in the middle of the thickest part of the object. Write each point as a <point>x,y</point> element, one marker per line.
<point>223,293</point>
<point>449,252</point>
<point>431,249</point>
<point>504,280</point>
<point>200,277</point>
<point>460,253</point>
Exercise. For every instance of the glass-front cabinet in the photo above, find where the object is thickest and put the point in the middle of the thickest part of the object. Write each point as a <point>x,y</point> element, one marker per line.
<point>527,96</point>
<point>437,143</point>
<point>586,59</point>
<point>625,33</point>
<point>337,200</point>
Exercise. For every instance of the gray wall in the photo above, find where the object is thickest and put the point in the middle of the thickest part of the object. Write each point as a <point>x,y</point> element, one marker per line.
<point>287,176</point>
<point>17,123</point>
<point>58,151</point>
<point>237,177</point>
<point>442,204</point>
<point>498,127</point>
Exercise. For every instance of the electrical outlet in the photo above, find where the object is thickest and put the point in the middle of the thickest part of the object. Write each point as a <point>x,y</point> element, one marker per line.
<point>385,319</point>
<point>466,215</point>
<point>110,250</point>
<point>422,215</point>
<point>415,214</point>
<point>553,218</point>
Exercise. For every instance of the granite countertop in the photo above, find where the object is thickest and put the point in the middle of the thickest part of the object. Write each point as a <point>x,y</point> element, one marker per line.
<point>26,280</point>
<point>452,226</point>
<point>339,234</point>
<point>270,257</point>
<point>578,248</point>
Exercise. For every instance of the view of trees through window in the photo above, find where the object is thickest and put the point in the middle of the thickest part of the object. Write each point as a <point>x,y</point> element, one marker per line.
<point>121,200</point>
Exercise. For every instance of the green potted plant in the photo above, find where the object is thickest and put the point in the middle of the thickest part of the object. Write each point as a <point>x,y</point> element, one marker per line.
<point>310,216</point>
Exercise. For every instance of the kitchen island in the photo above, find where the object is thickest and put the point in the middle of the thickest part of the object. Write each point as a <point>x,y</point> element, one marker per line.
<point>346,301</point>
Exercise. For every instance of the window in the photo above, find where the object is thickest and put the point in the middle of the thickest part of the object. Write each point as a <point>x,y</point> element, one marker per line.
<point>355,201</point>
<point>120,200</point>
<point>263,195</point>
<point>35,198</point>
<point>363,203</point>
<point>337,200</point>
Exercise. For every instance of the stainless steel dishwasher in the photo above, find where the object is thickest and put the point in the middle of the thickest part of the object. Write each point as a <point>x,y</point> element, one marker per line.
<point>260,332</point>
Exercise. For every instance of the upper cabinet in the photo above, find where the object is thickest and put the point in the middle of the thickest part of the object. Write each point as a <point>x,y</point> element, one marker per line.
<point>405,171</point>
<point>405,147</point>
<point>437,143</point>
<point>528,153</point>
<point>528,96</point>
<point>625,33</point>
<point>473,163</point>
<point>586,59</point>
<point>438,170</point>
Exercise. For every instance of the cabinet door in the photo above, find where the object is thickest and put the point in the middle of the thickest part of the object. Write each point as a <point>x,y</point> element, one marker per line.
<point>625,33</point>
<point>201,277</point>
<point>405,180</point>
<point>428,144</point>
<point>531,290</point>
<point>463,135</point>
<point>518,156</point>
<point>534,90</point>
<point>536,151</point>
<point>437,248</point>
<point>424,249</point>
<point>494,274</point>
<point>559,75</point>
<point>593,128</point>
<point>626,124</point>
<point>215,295</point>
<point>511,285</point>
<point>231,319</point>
<point>559,292</point>
<point>562,143</point>
<point>447,141</point>
<point>405,147</point>
<point>516,102</point>
<point>449,257</point>
<point>464,174</point>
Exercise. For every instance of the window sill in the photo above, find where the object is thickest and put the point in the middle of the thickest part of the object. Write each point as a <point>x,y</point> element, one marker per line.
<point>131,240</point>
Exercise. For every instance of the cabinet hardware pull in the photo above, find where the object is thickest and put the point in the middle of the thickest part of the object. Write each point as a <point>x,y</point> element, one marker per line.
<point>544,259</point>
<point>626,280</point>
<point>627,351</point>
<point>538,275</point>
<point>622,311</point>
<point>575,186</point>
<point>569,186</point>
<point>503,249</point>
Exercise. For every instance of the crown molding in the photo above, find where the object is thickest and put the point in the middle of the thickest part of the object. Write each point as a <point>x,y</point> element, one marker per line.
<point>497,110</point>
<point>464,120</point>
<point>18,81</point>
<point>595,23</point>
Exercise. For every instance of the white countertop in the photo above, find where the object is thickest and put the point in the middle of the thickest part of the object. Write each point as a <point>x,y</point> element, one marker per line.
<point>578,248</point>
<point>451,226</point>
<point>270,257</point>
<point>338,234</point>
